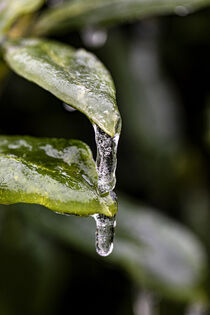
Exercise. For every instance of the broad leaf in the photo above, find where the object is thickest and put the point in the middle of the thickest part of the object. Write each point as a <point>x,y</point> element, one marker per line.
<point>158,253</point>
<point>75,76</point>
<point>10,10</point>
<point>167,256</point>
<point>83,13</point>
<point>59,174</point>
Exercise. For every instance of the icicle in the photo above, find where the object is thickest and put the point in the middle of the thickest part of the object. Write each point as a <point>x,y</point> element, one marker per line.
<point>104,234</point>
<point>106,161</point>
<point>105,227</point>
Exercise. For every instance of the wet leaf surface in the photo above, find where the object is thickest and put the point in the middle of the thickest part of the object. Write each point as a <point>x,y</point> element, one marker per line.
<point>59,174</point>
<point>76,77</point>
<point>83,13</point>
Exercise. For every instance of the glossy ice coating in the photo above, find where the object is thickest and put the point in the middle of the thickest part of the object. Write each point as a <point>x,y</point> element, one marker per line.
<point>59,174</point>
<point>106,161</point>
<point>104,234</point>
<point>76,77</point>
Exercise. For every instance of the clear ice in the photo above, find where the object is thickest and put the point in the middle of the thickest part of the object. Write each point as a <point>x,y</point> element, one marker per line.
<point>104,234</point>
<point>106,161</point>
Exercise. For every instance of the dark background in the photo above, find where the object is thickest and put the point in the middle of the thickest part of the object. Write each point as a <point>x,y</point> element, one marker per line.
<point>161,68</point>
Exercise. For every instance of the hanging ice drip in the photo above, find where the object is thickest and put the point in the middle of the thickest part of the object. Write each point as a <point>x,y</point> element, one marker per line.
<point>106,163</point>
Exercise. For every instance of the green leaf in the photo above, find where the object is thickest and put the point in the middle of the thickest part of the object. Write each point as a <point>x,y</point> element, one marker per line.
<point>59,174</point>
<point>167,256</point>
<point>155,251</point>
<point>83,13</point>
<point>10,10</point>
<point>75,76</point>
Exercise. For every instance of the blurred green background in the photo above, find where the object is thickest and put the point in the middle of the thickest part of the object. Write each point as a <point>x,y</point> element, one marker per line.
<point>48,264</point>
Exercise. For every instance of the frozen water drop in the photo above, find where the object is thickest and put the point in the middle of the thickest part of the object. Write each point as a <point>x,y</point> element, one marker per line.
<point>68,108</point>
<point>94,37</point>
<point>181,10</point>
<point>106,161</point>
<point>104,234</point>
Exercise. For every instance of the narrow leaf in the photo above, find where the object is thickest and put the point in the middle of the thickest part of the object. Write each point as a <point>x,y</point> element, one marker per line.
<point>10,10</point>
<point>59,174</point>
<point>83,13</point>
<point>75,76</point>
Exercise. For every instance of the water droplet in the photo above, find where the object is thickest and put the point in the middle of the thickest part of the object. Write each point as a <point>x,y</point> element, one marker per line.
<point>106,161</point>
<point>181,10</point>
<point>104,234</point>
<point>68,108</point>
<point>94,37</point>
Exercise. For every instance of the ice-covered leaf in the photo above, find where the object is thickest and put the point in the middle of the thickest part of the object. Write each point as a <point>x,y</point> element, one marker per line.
<point>83,13</point>
<point>75,76</point>
<point>59,174</point>
<point>158,253</point>
<point>10,10</point>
